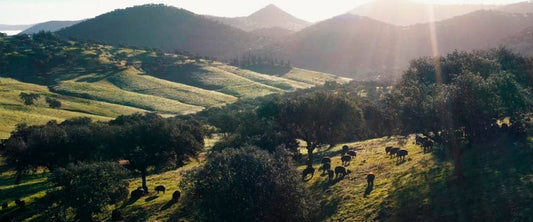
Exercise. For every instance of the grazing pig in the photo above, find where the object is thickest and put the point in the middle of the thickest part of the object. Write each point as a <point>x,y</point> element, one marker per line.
<point>393,151</point>
<point>308,171</point>
<point>401,154</point>
<point>370,178</point>
<point>387,150</point>
<point>346,160</point>
<point>352,153</point>
<point>176,195</point>
<point>340,170</point>
<point>326,160</point>
<point>160,188</point>
<point>136,194</point>
<point>345,148</point>
<point>20,203</point>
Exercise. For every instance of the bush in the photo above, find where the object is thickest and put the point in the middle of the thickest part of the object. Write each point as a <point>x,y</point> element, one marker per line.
<point>250,183</point>
<point>53,103</point>
<point>87,189</point>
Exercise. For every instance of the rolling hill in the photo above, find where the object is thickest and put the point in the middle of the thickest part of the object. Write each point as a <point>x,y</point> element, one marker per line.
<point>50,26</point>
<point>364,48</point>
<point>103,82</point>
<point>268,17</point>
<point>167,28</point>
<point>407,12</point>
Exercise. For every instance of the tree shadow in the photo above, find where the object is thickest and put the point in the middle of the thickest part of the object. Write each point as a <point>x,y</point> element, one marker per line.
<point>368,190</point>
<point>169,204</point>
<point>151,198</point>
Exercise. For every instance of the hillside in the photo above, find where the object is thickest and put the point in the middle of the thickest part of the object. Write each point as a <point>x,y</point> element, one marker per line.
<point>417,189</point>
<point>50,26</point>
<point>520,7</point>
<point>104,82</point>
<point>268,17</point>
<point>407,12</point>
<point>364,48</point>
<point>167,28</point>
<point>521,42</point>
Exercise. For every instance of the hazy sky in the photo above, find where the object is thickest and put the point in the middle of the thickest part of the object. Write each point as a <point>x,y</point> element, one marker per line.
<point>35,11</point>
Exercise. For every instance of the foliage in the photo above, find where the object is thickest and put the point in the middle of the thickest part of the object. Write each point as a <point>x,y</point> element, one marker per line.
<point>53,103</point>
<point>147,140</point>
<point>29,98</point>
<point>248,182</point>
<point>88,188</point>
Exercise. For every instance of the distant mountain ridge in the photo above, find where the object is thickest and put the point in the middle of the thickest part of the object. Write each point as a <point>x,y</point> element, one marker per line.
<point>167,28</point>
<point>268,17</point>
<point>406,12</point>
<point>50,26</point>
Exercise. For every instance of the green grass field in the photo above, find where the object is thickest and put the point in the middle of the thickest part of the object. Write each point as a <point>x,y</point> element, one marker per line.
<point>103,82</point>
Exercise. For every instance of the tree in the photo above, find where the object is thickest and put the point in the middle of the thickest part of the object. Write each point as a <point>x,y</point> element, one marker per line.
<point>151,140</point>
<point>319,118</point>
<point>457,99</point>
<point>29,98</point>
<point>89,188</point>
<point>250,183</point>
<point>53,103</point>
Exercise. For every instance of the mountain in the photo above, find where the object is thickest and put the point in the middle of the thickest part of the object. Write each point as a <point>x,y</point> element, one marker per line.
<point>268,17</point>
<point>167,28</point>
<point>364,48</point>
<point>520,7</point>
<point>50,26</point>
<point>521,42</point>
<point>14,27</point>
<point>274,33</point>
<point>406,12</point>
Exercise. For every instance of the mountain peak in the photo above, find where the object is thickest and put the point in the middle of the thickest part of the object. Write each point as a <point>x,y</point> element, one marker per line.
<point>270,11</point>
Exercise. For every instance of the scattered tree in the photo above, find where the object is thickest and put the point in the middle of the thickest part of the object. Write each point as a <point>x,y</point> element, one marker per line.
<point>249,182</point>
<point>53,103</point>
<point>29,98</point>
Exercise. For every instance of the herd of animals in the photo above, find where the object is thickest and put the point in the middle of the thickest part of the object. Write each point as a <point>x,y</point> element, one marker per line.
<point>340,172</point>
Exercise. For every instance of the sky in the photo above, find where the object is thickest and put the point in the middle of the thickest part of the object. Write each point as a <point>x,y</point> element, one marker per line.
<point>35,11</point>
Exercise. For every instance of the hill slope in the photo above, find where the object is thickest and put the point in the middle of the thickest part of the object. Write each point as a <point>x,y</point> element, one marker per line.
<point>406,12</point>
<point>50,26</point>
<point>166,28</point>
<point>104,81</point>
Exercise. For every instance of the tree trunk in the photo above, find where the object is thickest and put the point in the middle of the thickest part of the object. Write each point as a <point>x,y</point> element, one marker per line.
<point>310,149</point>
<point>143,176</point>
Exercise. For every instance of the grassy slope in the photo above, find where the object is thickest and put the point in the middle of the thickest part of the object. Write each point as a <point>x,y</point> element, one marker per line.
<point>13,111</point>
<point>344,200</point>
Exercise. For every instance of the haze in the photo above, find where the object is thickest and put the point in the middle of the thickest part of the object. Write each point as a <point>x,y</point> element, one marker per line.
<point>35,11</point>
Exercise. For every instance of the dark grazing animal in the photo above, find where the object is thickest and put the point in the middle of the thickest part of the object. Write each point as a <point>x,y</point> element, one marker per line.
<point>160,188</point>
<point>308,171</point>
<point>326,167</point>
<point>346,159</point>
<point>393,151</point>
<point>427,145</point>
<point>4,206</point>
<point>387,149</point>
<point>176,195</point>
<point>401,154</point>
<point>352,153</point>
<point>340,170</point>
<point>330,175</point>
<point>345,148</point>
<point>136,194</point>
<point>419,140</point>
<point>326,160</point>
<point>20,203</point>
<point>370,178</point>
